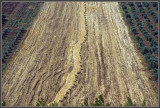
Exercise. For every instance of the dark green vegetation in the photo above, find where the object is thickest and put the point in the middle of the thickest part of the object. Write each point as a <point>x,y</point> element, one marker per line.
<point>99,101</point>
<point>142,19</point>
<point>3,103</point>
<point>41,102</point>
<point>16,18</point>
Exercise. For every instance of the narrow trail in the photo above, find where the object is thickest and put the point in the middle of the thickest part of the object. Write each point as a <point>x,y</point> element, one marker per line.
<point>76,50</point>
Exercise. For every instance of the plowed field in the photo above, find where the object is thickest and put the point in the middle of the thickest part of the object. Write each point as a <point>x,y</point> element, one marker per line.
<point>76,50</point>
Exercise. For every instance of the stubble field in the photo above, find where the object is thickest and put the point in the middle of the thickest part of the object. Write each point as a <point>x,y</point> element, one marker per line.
<point>76,50</point>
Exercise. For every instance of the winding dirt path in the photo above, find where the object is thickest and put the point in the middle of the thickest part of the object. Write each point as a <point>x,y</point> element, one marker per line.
<point>76,50</point>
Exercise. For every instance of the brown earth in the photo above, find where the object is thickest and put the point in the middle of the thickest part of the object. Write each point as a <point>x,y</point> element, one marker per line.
<point>76,50</point>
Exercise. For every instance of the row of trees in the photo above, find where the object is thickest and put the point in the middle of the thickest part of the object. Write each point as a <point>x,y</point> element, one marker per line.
<point>149,25</point>
<point>3,19</point>
<point>155,5</point>
<point>11,48</point>
<point>23,18</point>
<point>4,33</point>
<point>147,36</point>
<point>147,52</point>
<point>150,59</point>
<point>152,13</point>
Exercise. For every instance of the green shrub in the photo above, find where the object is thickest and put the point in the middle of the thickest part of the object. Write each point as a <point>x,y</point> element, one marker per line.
<point>144,103</point>
<point>64,104</point>
<point>129,102</point>
<point>101,98</point>
<point>40,102</point>
<point>54,104</point>
<point>3,103</point>
<point>99,101</point>
<point>4,65</point>
<point>145,50</point>
<point>15,24</point>
<point>85,103</point>
<point>108,104</point>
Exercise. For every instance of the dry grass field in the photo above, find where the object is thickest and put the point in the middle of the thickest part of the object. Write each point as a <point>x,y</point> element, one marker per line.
<point>75,50</point>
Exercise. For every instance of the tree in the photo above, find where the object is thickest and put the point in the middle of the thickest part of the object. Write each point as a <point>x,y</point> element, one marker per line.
<point>154,4</point>
<point>145,4</point>
<point>130,4</point>
<point>153,64</point>
<point>3,60</point>
<point>144,31</point>
<point>124,7</point>
<point>127,16</point>
<point>133,29</point>
<point>155,33</point>
<point>140,45</point>
<point>154,48</point>
<point>148,37</point>
<point>3,16</point>
<point>154,71</point>
<point>138,4</point>
<point>138,39</point>
<point>3,19</point>
<point>129,20</point>
<point>145,50</point>
<point>156,76</point>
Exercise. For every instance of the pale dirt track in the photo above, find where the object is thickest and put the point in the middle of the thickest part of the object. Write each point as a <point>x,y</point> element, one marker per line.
<point>76,50</point>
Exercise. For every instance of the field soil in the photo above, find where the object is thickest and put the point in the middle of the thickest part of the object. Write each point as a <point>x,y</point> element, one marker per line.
<point>76,50</point>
